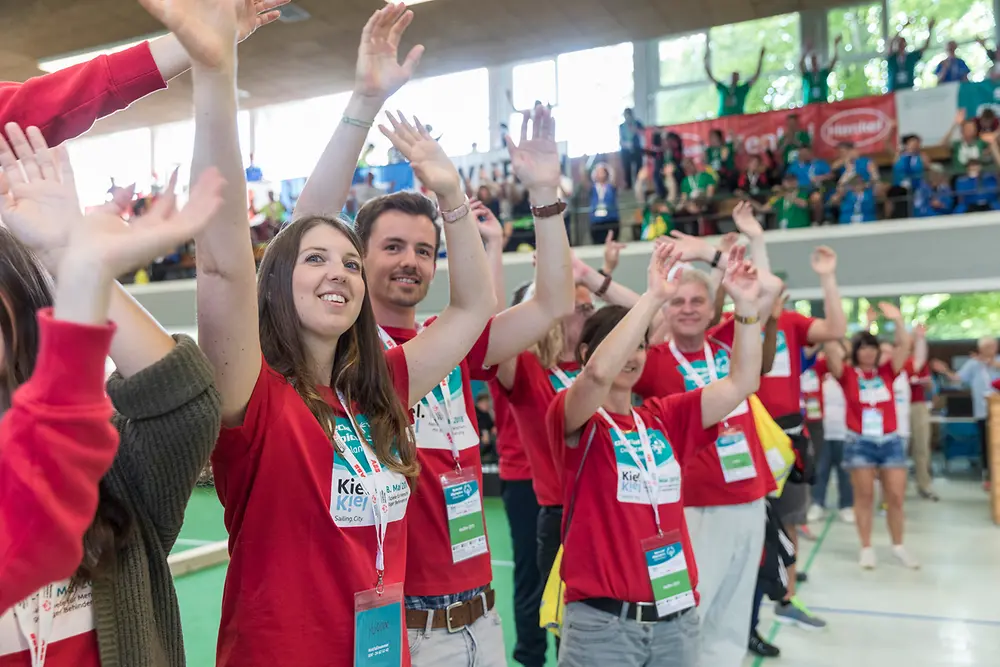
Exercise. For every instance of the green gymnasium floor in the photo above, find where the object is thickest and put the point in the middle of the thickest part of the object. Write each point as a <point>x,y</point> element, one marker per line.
<point>200,593</point>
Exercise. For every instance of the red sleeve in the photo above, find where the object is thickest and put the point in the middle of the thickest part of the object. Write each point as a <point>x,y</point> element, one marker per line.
<point>396,360</point>
<point>908,368</point>
<point>996,385</point>
<point>56,442</point>
<point>476,358</point>
<point>555,422</point>
<point>522,375</point>
<point>821,368</point>
<point>798,325</point>
<point>65,104</point>
<point>888,372</point>
<point>681,415</point>
<point>724,331</point>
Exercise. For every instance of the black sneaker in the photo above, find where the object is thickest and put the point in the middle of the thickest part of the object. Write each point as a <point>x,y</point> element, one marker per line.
<point>760,647</point>
<point>801,577</point>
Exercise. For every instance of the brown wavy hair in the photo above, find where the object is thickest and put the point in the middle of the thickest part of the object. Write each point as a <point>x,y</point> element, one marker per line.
<point>359,367</point>
<point>25,288</point>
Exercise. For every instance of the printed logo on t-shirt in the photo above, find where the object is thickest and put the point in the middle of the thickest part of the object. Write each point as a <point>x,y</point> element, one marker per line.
<point>73,616</point>
<point>425,427</point>
<point>350,504</point>
<point>631,488</point>
<point>873,390</point>
<point>782,366</point>
<point>700,367</point>
<point>557,384</point>
<point>810,382</point>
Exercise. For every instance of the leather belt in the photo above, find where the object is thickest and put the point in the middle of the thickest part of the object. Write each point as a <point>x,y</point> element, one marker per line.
<point>455,616</point>
<point>643,612</point>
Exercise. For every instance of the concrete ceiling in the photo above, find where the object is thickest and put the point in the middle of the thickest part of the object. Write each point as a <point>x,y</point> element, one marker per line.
<point>297,60</point>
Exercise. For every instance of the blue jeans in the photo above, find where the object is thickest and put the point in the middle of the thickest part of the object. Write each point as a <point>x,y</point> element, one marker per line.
<point>832,456</point>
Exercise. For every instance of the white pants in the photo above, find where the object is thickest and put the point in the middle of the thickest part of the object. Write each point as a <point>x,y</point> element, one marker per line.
<point>728,542</point>
<point>477,645</point>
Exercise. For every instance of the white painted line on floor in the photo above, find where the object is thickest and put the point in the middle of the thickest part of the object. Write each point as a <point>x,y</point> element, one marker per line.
<point>503,563</point>
<point>188,542</point>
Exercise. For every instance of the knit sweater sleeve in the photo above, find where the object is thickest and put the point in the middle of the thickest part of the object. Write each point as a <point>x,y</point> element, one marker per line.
<point>56,442</point>
<point>169,416</point>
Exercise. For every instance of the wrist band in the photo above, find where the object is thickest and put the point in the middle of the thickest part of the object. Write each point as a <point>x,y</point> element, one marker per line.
<point>715,260</point>
<point>356,122</point>
<point>746,319</point>
<point>456,214</point>
<point>604,286</point>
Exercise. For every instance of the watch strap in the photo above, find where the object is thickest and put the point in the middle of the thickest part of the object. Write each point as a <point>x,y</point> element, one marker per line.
<point>549,210</point>
<point>456,214</point>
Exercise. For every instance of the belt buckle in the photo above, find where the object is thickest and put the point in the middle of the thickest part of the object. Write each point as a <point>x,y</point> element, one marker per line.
<point>639,606</point>
<point>447,616</point>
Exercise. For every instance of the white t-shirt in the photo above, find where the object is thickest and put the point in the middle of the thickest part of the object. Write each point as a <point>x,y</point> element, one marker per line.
<point>72,618</point>
<point>901,391</point>
<point>834,410</point>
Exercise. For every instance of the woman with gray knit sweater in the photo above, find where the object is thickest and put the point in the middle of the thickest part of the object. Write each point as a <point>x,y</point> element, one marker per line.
<point>119,607</point>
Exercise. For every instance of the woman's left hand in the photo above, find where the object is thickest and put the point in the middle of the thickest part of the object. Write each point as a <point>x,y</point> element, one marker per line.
<point>378,73</point>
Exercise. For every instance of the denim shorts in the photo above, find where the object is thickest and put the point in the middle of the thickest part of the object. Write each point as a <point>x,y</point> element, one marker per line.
<point>864,452</point>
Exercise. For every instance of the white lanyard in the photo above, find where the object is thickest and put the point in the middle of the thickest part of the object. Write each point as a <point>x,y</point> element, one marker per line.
<point>440,413</point>
<point>752,178</point>
<point>562,377</point>
<point>44,604</point>
<point>380,506</point>
<point>693,374</point>
<point>649,473</point>
<point>858,201</point>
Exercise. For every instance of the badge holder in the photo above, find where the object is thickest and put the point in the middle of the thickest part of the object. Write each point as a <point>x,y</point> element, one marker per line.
<point>463,501</point>
<point>871,423</point>
<point>378,626</point>
<point>668,573</point>
<point>734,454</point>
<point>813,411</point>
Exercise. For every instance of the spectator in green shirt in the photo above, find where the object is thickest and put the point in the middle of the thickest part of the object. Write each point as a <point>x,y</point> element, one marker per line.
<point>720,158</point>
<point>902,63</point>
<point>815,88</point>
<point>790,205</point>
<point>971,145</point>
<point>732,96</point>
<point>697,193</point>
<point>792,140</point>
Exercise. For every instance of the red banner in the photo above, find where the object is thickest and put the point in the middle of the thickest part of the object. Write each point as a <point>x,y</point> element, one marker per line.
<point>870,122</point>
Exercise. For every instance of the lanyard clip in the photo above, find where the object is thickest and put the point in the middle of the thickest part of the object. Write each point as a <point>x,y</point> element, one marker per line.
<point>458,466</point>
<point>380,584</point>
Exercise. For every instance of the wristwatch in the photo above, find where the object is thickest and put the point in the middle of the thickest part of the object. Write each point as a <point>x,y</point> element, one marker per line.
<point>746,319</point>
<point>549,210</point>
<point>456,214</point>
<point>715,260</point>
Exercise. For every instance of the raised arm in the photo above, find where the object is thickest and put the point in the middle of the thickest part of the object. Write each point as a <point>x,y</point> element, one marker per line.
<point>747,223</point>
<point>536,164</point>
<point>834,358</point>
<point>593,385</point>
<point>493,239</point>
<point>756,74</point>
<point>708,63</point>
<point>228,328</point>
<point>834,325</point>
<point>442,346</point>
<point>378,75</point>
<point>921,351</point>
<point>720,398</point>
<point>930,34</point>
<point>806,50</point>
<point>901,352</point>
<point>836,51</point>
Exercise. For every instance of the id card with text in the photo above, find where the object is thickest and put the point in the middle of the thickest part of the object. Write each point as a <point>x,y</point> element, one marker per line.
<point>668,573</point>
<point>464,503</point>
<point>378,627</point>
<point>734,455</point>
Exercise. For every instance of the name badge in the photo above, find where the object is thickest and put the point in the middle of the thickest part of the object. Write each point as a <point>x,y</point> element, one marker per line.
<point>871,423</point>
<point>857,217</point>
<point>601,211</point>
<point>378,627</point>
<point>782,366</point>
<point>902,77</point>
<point>813,410</point>
<point>464,503</point>
<point>734,455</point>
<point>668,573</point>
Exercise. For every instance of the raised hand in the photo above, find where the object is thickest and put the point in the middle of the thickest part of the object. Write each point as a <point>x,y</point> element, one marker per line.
<point>489,227</point>
<point>779,306</point>
<point>254,14</point>
<point>39,203</point>
<point>740,280</point>
<point>690,248</point>
<point>379,73</point>
<point>207,29</point>
<point>612,252</point>
<point>920,331</point>
<point>535,161</point>
<point>889,311</point>
<point>824,261</point>
<point>580,270</point>
<point>104,240</point>
<point>660,283</point>
<point>871,316</point>
<point>729,240</point>
<point>746,221</point>
<point>428,160</point>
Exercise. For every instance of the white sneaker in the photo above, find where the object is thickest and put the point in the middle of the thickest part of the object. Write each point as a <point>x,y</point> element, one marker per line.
<point>815,513</point>
<point>867,560</point>
<point>847,515</point>
<point>904,557</point>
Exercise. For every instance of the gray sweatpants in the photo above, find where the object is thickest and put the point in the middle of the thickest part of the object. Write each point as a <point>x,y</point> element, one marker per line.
<point>593,638</point>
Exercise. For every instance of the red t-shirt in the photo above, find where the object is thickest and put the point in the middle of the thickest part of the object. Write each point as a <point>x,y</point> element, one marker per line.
<point>780,389</point>
<point>864,390</point>
<point>514,466</point>
<point>302,535</point>
<point>530,397</point>
<point>706,486</point>
<point>73,639</point>
<point>429,568</point>
<point>812,390</point>
<point>918,390</point>
<point>603,555</point>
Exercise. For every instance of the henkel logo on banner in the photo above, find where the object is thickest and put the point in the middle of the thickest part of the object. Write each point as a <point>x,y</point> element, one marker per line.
<point>864,127</point>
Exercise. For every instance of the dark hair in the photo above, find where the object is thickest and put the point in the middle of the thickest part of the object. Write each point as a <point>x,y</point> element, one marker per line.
<point>598,327</point>
<point>359,367</point>
<point>411,203</point>
<point>717,133</point>
<point>845,144</point>
<point>25,288</point>
<point>520,293</point>
<point>860,340</point>
<point>909,137</point>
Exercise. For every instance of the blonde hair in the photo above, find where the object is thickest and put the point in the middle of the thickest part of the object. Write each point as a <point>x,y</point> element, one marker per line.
<point>696,276</point>
<point>549,348</point>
